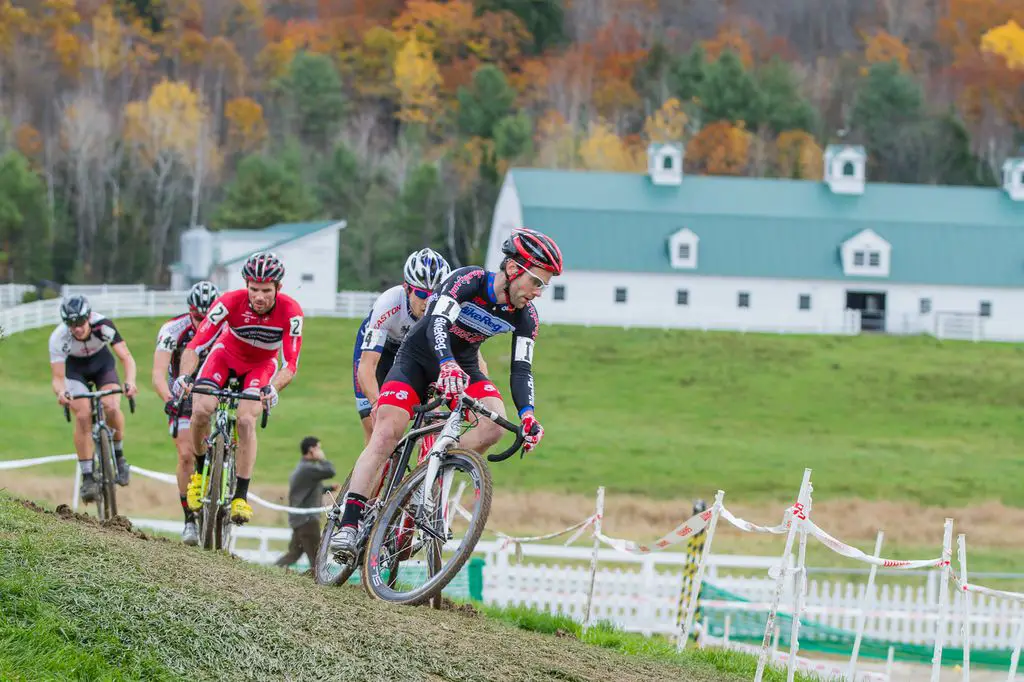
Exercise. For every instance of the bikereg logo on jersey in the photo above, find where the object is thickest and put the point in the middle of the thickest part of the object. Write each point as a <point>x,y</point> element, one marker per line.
<point>477,318</point>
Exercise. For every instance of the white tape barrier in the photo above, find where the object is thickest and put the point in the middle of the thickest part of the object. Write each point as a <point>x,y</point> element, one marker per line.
<point>988,591</point>
<point>852,611</point>
<point>24,463</point>
<point>157,476</point>
<point>517,542</point>
<point>749,527</point>
<point>849,552</point>
<point>683,531</point>
<point>820,668</point>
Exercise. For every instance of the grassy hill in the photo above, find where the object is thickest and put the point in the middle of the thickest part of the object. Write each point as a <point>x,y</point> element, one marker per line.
<point>659,414</point>
<point>83,601</point>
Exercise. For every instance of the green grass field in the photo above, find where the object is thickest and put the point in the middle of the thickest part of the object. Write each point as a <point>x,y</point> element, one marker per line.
<point>86,602</point>
<point>663,414</point>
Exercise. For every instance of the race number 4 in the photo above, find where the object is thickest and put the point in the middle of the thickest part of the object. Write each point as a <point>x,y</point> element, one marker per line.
<point>523,350</point>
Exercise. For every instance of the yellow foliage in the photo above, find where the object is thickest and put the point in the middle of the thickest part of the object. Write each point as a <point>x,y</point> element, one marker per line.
<point>1007,41</point>
<point>417,79</point>
<point>372,62</point>
<point>667,124</point>
<point>883,47</point>
<point>603,150</point>
<point>246,128</point>
<point>276,57</point>
<point>14,21</point>
<point>223,55</point>
<point>59,14</point>
<point>467,159</point>
<point>797,155</point>
<point>172,121</point>
<point>68,50</point>
<point>107,51</point>
<point>252,11</point>
<point>721,148</point>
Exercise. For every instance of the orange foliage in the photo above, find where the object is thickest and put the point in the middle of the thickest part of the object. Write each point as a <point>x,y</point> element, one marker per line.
<point>68,50</point>
<point>28,141</point>
<point>531,82</point>
<point>729,39</point>
<point>556,142</point>
<point>720,148</point>
<point>246,128</point>
<point>797,155</point>
<point>882,47</point>
<point>965,21</point>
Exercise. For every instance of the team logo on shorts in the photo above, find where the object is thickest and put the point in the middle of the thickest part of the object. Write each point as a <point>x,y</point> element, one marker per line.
<point>216,376</point>
<point>490,388</point>
<point>402,395</point>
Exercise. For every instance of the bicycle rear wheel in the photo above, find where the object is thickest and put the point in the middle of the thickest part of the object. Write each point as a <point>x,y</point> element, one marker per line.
<point>208,517</point>
<point>107,501</point>
<point>435,518</point>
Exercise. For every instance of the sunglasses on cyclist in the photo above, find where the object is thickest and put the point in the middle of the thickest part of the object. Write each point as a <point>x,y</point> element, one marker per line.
<point>537,281</point>
<point>420,293</point>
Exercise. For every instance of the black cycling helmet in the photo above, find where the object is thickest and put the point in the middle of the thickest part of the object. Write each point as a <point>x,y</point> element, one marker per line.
<point>75,310</point>
<point>201,297</point>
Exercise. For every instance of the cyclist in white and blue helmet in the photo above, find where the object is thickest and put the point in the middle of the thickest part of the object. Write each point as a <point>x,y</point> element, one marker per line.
<point>383,329</point>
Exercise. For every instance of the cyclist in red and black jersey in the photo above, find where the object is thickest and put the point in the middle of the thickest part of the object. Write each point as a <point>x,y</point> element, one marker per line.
<point>254,325</point>
<point>471,306</point>
<point>174,335</point>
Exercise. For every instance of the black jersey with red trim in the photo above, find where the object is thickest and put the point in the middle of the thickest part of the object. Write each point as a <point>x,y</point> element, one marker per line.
<point>464,313</point>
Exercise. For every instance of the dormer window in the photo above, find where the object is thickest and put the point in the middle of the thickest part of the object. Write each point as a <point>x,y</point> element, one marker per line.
<point>682,249</point>
<point>866,254</point>
<point>666,163</point>
<point>848,169</point>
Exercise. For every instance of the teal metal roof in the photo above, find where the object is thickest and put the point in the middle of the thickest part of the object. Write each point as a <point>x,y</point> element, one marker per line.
<point>757,227</point>
<point>281,233</point>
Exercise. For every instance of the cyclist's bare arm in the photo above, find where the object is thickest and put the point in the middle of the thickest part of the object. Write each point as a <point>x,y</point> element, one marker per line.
<point>483,363</point>
<point>161,361</point>
<point>283,377</point>
<point>130,370</point>
<point>58,381</point>
<point>367,374</point>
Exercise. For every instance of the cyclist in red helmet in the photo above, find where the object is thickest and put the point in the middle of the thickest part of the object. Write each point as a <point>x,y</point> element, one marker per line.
<point>471,306</point>
<point>258,323</point>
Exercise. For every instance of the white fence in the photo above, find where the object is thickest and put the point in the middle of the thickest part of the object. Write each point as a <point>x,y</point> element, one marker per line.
<point>642,593</point>
<point>137,302</point>
<point>11,294</point>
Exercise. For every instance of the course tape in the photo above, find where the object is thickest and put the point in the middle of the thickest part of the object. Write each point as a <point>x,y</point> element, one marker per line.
<point>157,476</point>
<point>846,550</point>
<point>819,667</point>
<point>780,529</point>
<point>684,530</point>
<point>988,591</point>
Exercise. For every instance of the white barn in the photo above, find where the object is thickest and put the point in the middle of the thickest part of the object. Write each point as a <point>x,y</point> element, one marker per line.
<point>842,255</point>
<point>309,252</point>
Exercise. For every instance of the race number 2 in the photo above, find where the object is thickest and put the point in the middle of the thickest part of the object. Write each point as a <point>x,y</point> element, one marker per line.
<point>217,314</point>
<point>295,325</point>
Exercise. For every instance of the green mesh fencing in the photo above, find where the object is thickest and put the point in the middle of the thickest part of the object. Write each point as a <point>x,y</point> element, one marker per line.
<point>748,627</point>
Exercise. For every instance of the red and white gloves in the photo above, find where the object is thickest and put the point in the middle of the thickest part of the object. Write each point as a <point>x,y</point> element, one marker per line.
<point>452,379</point>
<point>532,432</point>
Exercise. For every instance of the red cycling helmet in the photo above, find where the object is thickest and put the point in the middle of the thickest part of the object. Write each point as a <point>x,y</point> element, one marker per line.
<point>531,248</point>
<point>263,267</point>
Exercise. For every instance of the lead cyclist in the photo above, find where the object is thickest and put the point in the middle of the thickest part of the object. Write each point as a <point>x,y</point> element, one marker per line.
<point>472,306</point>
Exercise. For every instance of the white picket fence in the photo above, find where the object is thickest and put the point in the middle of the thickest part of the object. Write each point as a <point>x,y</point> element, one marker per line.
<point>641,593</point>
<point>11,294</point>
<point>137,302</point>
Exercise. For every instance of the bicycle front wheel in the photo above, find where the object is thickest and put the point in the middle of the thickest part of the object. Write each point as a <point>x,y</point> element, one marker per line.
<point>327,570</point>
<point>448,515</point>
<point>107,502</point>
<point>210,515</point>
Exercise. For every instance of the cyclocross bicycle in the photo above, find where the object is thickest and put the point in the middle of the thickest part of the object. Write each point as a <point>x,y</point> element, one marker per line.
<point>218,474</point>
<point>103,463</point>
<point>418,517</point>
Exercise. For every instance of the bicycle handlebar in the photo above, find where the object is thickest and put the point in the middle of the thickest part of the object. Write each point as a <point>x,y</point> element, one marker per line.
<point>96,394</point>
<point>220,393</point>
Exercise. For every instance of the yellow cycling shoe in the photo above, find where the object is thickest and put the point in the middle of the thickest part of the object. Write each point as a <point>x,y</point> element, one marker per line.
<point>241,512</point>
<point>194,492</point>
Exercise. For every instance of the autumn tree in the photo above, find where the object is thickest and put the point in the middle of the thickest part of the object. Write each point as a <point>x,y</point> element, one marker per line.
<point>247,129</point>
<point>798,156</point>
<point>667,124</point>
<point>603,150</point>
<point>720,148</point>
<point>417,80</point>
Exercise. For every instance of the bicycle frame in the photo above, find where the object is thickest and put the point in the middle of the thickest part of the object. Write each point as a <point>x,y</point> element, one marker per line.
<point>100,427</point>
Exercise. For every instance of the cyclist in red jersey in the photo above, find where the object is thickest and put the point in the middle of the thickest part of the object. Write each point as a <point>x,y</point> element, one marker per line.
<point>258,322</point>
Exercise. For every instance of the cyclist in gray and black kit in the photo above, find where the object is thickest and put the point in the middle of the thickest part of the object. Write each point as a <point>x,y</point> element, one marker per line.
<point>471,306</point>
<point>80,357</point>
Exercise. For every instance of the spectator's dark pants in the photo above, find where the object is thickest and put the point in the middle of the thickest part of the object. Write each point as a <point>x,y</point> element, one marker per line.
<point>305,538</point>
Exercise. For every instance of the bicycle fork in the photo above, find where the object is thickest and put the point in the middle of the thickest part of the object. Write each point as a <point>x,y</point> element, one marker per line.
<point>422,497</point>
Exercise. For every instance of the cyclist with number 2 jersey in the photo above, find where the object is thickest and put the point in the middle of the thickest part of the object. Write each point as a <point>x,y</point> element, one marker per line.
<point>258,323</point>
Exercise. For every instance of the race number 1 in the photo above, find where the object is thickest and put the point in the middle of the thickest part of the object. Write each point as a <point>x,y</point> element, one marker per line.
<point>524,350</point>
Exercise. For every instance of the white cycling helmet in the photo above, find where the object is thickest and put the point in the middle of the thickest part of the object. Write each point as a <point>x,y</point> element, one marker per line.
<point>426,269</point>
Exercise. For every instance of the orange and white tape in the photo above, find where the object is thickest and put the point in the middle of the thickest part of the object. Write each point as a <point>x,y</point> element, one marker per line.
<point>742,524</point>
<point>684,530</point>
<point>988,591</point>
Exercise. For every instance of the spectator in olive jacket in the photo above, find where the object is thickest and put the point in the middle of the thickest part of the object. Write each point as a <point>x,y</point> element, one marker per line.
<point>305,490</point>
